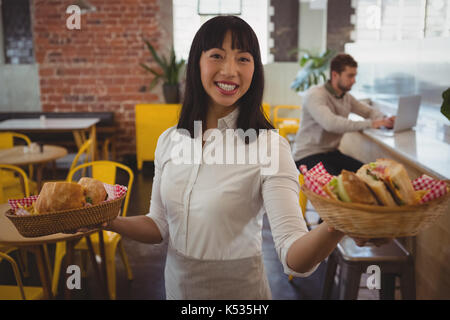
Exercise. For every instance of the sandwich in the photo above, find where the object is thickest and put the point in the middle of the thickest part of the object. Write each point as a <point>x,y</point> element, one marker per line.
<point>95,191</point>
<point>394,177</point>
<point>60,195</point>
<point>348,187</point>
<point>377,185</point>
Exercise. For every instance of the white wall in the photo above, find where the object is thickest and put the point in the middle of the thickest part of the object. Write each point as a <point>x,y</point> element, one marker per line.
<point>19,84</point>
<point>279,75</point>
<point>19,88</point>
<point>186,22</point>
<point>313,28</point>
<point>278,79</point>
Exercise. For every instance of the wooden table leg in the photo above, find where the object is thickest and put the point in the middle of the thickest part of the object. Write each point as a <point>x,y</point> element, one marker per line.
<point>78,139</point>
<point>39,169</point>
<point>93,136</point>
<point>99,275</point>
<point>103,256</point>
<point>69,261</point>
<point>44,270</point>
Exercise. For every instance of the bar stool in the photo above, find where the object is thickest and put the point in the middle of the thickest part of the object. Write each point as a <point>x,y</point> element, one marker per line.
<point>392,259</point>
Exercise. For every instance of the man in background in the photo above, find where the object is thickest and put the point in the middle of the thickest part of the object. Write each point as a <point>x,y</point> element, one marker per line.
<point>324,119</point>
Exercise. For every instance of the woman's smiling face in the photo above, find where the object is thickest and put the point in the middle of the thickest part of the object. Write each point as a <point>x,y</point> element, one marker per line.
<point>226,73</point>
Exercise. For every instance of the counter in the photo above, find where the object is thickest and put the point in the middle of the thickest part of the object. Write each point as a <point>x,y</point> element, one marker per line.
<point>426,149</point>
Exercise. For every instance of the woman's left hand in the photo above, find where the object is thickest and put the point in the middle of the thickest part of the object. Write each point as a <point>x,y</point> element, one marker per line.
<point>361,242</point>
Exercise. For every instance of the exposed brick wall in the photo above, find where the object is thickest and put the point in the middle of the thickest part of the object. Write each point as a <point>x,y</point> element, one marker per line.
<point>97,68</point>
<point>285,34</point>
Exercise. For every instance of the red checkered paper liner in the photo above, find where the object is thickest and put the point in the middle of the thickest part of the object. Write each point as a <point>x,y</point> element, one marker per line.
<point>316,178</point>
<point>436,188</point>
<point>25,202</point>
<point>113,191</point>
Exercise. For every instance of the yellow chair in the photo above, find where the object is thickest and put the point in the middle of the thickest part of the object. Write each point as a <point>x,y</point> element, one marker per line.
<point>302,196</point>
<point>23,191</point>
<point>6,142</point>
<point>285,125</point>
<point>266,109</point>
<point>302,201</point>
<point>9,292</point>
<point>109,149</point>
<point>151,121</point>
<point>104,171</point>
<point>86,150</point>
<point>6,192</point>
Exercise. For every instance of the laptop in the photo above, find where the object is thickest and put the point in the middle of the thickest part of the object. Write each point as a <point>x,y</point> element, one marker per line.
<point>406,118</point>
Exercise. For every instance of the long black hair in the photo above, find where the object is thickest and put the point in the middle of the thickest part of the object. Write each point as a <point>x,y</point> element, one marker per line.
<point>195,103</point>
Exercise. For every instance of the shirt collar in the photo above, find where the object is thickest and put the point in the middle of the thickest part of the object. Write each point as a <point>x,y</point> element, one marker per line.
<point>331,90</point>
<point>229,121</point>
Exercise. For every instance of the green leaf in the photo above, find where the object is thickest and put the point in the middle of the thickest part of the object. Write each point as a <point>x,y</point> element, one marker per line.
<point>445,108</point>
<point>313,67</point>
<point>154,54</point>
<point>153,83</point>
<point>150,70</point>
<point>303,60</point>
<point>170,66</point>
<point>315,79</point>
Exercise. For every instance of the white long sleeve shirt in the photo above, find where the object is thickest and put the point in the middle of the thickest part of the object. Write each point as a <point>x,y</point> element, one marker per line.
<point>215,211</point>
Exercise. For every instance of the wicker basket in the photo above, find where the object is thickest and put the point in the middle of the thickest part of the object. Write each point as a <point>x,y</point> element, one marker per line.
<point>65,221</point>
<point>367,221</point>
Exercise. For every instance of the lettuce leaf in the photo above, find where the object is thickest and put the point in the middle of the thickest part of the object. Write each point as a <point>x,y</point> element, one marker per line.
<point>342,193</point>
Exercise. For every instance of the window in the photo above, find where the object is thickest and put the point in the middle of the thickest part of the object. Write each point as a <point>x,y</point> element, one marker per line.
<point>402,49</point>
<point>437,23</point>
<point>216,7</point>
<point>187,20</point>
<point>401,19</point>
<point>17,37</point>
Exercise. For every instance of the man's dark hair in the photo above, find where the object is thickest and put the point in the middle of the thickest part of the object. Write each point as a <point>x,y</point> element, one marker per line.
<point>341,61</point>
<point>195,103</point>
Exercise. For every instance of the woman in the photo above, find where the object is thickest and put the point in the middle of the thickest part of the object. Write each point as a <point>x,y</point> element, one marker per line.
<point>212,213</point>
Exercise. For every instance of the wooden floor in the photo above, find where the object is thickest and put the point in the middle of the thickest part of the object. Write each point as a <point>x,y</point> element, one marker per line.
<point>147,263</point>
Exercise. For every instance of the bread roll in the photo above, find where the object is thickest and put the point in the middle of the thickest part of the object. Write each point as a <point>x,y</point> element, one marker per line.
<point>60,195</point>
<point>95,191</point>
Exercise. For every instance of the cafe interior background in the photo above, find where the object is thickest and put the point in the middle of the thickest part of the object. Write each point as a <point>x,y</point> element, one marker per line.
<point>46,67</point>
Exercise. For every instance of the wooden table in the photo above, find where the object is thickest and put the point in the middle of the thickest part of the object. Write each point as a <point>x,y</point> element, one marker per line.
<point>10,236</point>
<point>78,127</point>
<point>16,156</point>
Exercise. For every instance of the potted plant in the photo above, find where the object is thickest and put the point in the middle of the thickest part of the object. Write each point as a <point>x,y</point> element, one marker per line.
<point>312,70</point>
<point>169,73</point>
<point>445,108</point>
